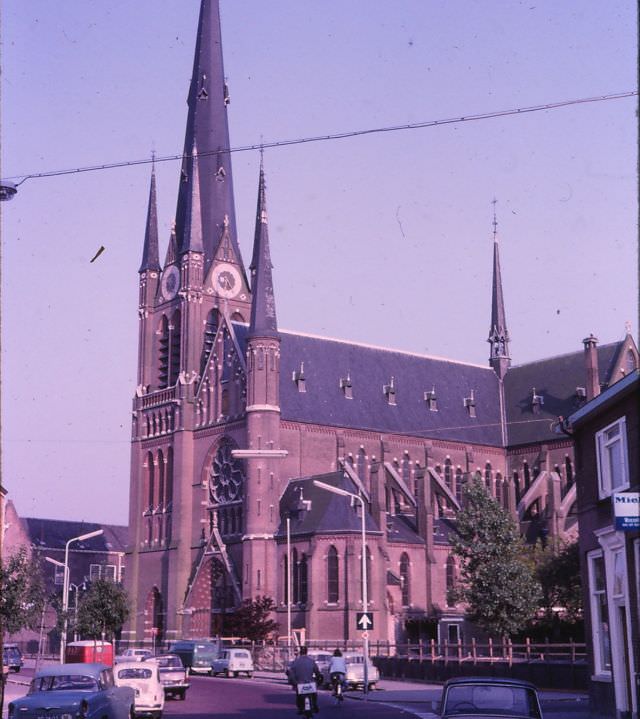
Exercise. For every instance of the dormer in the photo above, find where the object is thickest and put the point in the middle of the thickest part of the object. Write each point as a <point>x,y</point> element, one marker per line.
<point>537,400</point>
<point>346,386</point>
<point>299,379</point>
<point>470,404</point>
<point>431,400</point>
<point>389,391</point>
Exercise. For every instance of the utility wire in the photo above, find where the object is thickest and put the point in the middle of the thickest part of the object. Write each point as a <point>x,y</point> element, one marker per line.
<point>336,136</point>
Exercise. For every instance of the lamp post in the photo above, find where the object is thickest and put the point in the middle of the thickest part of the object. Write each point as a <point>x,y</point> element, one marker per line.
<point>65,585</point>
<point>288,587</point>
<point>365,599</point>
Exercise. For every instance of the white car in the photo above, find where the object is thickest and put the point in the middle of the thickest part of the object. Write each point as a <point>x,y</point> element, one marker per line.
<point>144,679</point>
<point>134,655</point>
<point>233,662</point>
<point>355,671</point>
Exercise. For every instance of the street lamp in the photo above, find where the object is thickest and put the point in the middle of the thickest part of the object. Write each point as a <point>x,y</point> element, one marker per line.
<point>65,585</point>
<point>365,600</point>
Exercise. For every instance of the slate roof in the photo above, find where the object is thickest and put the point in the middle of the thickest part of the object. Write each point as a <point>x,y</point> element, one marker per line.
<point>54,533</point>
<point>327,361</point>
<point>555,379</point>
<point>327,513</point>
<point>402,529</point>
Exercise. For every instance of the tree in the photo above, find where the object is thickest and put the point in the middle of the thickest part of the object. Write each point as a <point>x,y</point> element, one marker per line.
<point>558,571</point>
<point>103,610</point>
<point>21,596</point>
<point>252,619</point>
<point>496,580</point>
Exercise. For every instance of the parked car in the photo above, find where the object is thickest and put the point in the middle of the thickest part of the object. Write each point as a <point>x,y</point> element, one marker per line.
<point>322,659</point>
<point>85,691</point>
<point>173,675</point>
<point>489,697</point>
<point>144,679</point>
<point>233,662</point>
<point>197,655</point>
<point>355,671</point>
<point>12,657</point>
<point>134,654</point>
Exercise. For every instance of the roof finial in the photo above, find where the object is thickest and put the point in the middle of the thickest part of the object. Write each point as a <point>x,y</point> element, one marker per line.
<point>627,327</point>
<point>494,202</point>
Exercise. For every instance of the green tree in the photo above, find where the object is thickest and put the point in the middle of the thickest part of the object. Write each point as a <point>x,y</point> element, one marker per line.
<point>557,568</point>
<point>252,620</point>
<point>496,581</point>
<point>103,610</point>
<point>21,597</point>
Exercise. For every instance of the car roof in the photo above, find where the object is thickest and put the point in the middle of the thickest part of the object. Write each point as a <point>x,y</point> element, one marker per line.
<point>133,665</point>
<point>504,681</point>
<point>56,670</point>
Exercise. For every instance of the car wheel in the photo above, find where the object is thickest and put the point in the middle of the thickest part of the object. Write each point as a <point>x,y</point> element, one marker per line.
<point>249,674</point>
<point>227,673</point>
<point>236,674</point>
<point>372,687</point>
<point>182,695</point>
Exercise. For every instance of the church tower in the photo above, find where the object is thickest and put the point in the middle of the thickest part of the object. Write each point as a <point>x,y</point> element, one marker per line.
<point>189,408</point>
<point>498,334</point>
<point>263,417</point>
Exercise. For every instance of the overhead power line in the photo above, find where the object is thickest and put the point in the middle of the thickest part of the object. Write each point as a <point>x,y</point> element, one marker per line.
<point>336,136</point>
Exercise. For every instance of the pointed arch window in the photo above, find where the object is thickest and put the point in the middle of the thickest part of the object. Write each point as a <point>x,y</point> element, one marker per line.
<point>499,488</point>
<point>450,574</point>
<point>295,576</point>
<point>303,580</point>
<point>568,468</point>
<point>163,353</point>
<point>405,580</point>
<point>361,464</point>
<point>488,475</point>
<point>161,481</point>
<point>333,586</point>
<point>151,481</point>
<point>459,484</point>
<point>175,329</point>
<point>527,476</point>
<point>210,329</point>
<point>448,474</point>
<point>406,469</point>
<point>285,578</point>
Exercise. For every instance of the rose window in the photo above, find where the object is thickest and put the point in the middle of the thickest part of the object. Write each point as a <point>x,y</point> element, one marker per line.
<point>225,476</point>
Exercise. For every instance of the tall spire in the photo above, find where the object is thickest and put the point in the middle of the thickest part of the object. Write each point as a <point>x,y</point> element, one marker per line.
<point>498,333</point>
<point>150,253</point>
<point>208,130</point>
<point>263,308</point>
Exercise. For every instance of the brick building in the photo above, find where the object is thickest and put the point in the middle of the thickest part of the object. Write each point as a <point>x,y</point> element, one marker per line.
<point>233,418</point>
<point>607,432</point>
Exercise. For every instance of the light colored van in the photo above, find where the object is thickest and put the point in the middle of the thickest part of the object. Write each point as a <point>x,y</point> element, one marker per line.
<point>233,662</point>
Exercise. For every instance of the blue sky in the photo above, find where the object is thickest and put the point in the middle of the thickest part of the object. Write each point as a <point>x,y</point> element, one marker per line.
<point>384,239</point>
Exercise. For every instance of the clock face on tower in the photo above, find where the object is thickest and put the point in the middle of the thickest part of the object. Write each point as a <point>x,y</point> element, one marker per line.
<point>170,282</point>
<point>226,281</point>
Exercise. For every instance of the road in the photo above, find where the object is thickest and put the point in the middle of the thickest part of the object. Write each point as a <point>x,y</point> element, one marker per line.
<point>268,696</point>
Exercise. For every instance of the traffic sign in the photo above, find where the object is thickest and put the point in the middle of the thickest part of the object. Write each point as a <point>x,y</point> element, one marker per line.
<point>364,621</point>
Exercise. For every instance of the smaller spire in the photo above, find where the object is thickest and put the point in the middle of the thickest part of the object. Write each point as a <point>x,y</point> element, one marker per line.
<point>150,253</point>
<point>172,249</point>
<point>263,308</point>
<point>192,239</point>
<point>498,334</point>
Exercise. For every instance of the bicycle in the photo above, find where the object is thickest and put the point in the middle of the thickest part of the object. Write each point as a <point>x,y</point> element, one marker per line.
<point>337,682</point>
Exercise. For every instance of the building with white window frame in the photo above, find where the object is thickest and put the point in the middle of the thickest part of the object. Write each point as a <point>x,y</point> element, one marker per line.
<point>606,432</point>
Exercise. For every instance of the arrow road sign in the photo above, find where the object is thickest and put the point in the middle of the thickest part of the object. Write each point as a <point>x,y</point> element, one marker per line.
<point>364,621</point>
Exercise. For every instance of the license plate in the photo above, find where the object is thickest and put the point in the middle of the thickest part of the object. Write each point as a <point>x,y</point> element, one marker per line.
<point>307,688</point>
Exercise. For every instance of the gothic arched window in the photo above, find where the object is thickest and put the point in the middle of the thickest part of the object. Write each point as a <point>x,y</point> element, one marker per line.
<point>303,579</point>
<point>175,329</point>
<point>405,580</point>
<point>500,494</point>
<point>333,586</point>
<point>459,484</point>
<point>527,476</point>
<point>151,480</point>
<point>285,578</point>
<point>448,474</point>
<point>488,476</point>
<point>163,352</point>
<point>406,469</point>
<point>450,574</point>
<point>295,574</point>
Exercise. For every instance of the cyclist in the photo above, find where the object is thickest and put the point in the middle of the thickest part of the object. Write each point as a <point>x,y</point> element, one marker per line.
<point>302,671</point>
<point>337,670</point>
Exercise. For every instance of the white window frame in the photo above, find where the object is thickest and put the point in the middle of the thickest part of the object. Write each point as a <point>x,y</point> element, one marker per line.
<point>605,488</point>
<point>95,572</point>
<point>601,672</point>
<point>58,575</point>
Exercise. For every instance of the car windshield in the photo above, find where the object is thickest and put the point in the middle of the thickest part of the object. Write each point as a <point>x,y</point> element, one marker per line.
<point>205,651</point>
<point>134,673</point>
<point>482,699</point>
<point>64,682</point>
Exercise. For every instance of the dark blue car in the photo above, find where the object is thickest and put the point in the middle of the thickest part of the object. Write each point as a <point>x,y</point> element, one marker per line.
<point>74,691</point>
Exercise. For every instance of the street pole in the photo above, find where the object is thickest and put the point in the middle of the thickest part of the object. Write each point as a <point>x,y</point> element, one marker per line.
<point>288,589</point>
<point>65,586</point>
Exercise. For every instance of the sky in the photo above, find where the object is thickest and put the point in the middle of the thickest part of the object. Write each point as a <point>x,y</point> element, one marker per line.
<point>384,239</point>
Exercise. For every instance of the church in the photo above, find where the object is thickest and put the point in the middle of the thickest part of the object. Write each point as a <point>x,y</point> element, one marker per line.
<point>235,421</point>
